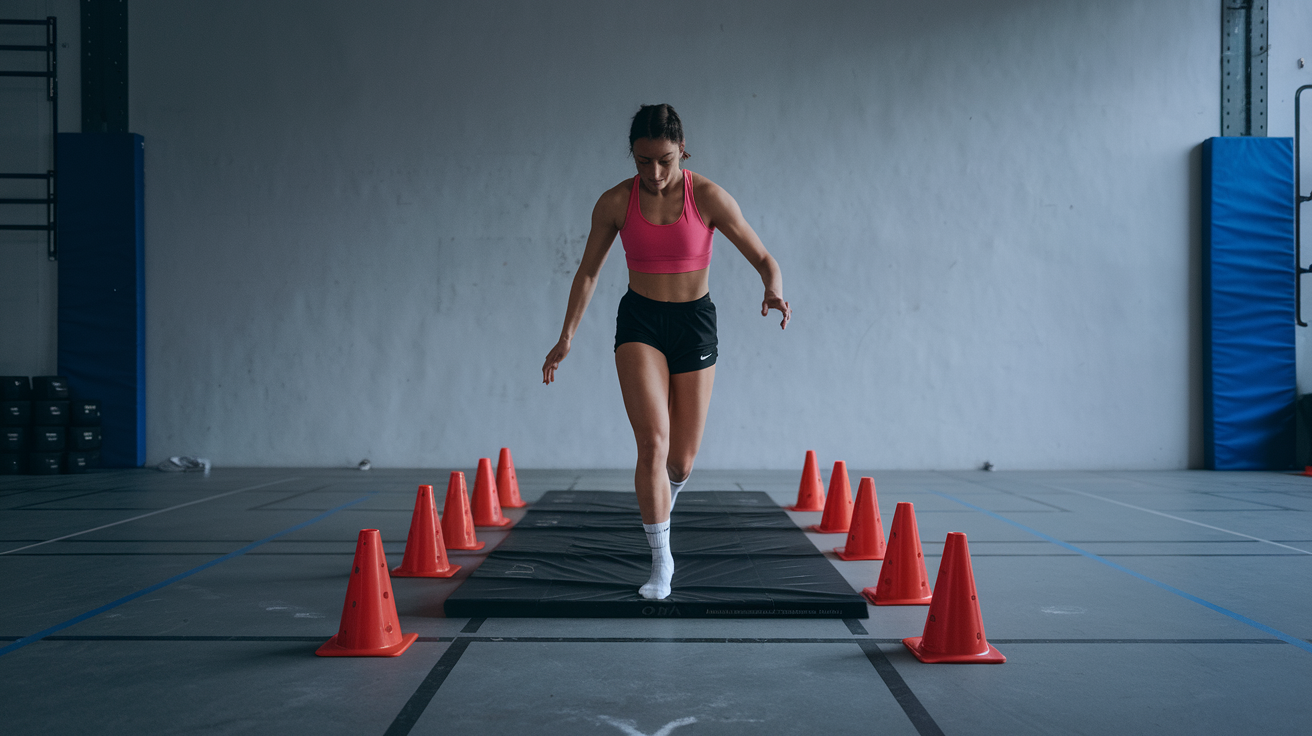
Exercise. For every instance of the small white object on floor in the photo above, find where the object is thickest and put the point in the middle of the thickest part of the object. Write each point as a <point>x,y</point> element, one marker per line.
<point>185,464</point>
<point>364,464</point>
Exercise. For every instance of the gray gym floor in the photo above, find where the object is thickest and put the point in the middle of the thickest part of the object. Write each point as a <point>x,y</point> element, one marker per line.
<point>1126,602</point>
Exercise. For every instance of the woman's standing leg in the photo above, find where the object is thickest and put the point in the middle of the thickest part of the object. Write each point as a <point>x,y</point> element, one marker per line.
<point>645,383</point>
<point>668,414</point>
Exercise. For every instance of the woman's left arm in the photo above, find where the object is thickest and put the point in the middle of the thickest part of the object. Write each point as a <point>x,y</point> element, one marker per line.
<point>722,212</point>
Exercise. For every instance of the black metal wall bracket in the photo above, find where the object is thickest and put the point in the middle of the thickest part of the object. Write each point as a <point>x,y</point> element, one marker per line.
<point>1299,200</point>
<point>51,76</point>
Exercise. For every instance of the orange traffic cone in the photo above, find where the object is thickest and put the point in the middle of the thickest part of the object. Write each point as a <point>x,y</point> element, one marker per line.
<point>507,483</point>
<point>954,629</point>
<point>865,538</point>
<point>902,578</point>
<point>487,507</point>
<point>425,555</point>
<point>369,625</point>
<point>838,503</point>
<point>457,522</point>
<point>810,492</point>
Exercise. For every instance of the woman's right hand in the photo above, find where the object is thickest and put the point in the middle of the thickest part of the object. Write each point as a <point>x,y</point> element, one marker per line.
<point>554,357</point>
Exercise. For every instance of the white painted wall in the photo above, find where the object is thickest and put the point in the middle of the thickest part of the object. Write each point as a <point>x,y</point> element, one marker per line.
<point>362,221</point>
<point>29,289</point>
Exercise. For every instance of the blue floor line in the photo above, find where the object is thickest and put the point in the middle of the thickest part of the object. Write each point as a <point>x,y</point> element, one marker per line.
<point>1301,644</point>
<point>32,639</point>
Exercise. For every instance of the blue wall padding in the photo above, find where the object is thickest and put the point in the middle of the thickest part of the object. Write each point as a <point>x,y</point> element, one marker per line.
<point>102,284</point>
<point>1249,381</point>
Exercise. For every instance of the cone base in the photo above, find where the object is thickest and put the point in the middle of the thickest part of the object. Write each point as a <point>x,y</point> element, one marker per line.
<point>843,555</point>
<point>992,656</point>
<point>474,548</point>
<point>869,594</point>
<point>822,530</point>
<point>397,572</point>
<point>799,507</point>
<point>508,505</point>
<point>332,649</point>
<point>503,522</point>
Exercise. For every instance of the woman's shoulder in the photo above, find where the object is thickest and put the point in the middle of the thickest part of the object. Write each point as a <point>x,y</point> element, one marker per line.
<point>617,195</point>
<point>705,188</point>
<point>614,202</point>
<point>707,193</point>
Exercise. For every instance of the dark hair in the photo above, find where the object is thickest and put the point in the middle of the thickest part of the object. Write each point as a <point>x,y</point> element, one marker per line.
<point>657,122</point>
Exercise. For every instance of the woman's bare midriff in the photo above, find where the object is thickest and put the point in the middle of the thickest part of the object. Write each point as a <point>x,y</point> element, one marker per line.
<point>671,287</point>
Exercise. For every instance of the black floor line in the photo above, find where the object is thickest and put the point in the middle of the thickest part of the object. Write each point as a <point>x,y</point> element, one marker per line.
<point>423,695</point>
<point>473,626</point>
<point>32,506</point>
<point>86,508</point>
<point>1017,494</point>
<point>348,553</point>
<point>1222,495</point>
<point>632,639</point>
<point>924,542</point>
<point>370,510</point>
<point>1137,554</point>
<point>663,639</point>
<point>166,637</point>
<point>402,541</point>
<point>349,543</point>
<point>262,506</point>
<point>911,705</point>
<point>920,512</point>
<point>854,626</point>
<point>1135,641</point>
<point>211,553</point>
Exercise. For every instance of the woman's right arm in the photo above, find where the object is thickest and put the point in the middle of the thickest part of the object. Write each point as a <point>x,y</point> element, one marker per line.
<point>605,226</point>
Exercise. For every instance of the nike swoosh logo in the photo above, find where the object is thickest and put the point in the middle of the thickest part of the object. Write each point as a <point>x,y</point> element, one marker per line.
<point>704,357</point>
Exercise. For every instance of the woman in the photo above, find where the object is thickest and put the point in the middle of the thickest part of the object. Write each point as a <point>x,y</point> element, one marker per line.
<point>665,340</point>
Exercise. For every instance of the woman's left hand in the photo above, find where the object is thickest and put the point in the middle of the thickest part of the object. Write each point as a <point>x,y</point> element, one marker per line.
<point>774,301</point>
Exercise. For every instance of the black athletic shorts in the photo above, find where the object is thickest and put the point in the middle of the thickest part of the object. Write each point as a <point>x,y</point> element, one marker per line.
<point>683,331</point>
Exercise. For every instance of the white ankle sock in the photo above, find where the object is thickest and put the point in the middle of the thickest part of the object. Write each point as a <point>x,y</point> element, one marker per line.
<point>662,562</point>
<point>674,490</point>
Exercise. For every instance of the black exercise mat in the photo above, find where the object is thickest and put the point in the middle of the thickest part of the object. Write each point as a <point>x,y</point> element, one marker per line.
<point>582,554</point>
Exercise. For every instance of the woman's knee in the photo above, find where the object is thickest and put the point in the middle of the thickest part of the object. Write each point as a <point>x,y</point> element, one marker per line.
<point>679,468</point>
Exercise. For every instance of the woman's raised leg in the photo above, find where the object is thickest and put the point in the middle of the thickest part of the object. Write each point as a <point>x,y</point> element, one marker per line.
<point>690,398</point>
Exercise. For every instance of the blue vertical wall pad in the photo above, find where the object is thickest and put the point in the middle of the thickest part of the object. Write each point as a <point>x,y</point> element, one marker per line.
<point>102,305</point>
<point>1249,380</point>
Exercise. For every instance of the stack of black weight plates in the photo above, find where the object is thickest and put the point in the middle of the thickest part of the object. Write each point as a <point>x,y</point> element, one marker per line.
<point>15,423</point>
<point>43,431</point>
<point>49,425</point>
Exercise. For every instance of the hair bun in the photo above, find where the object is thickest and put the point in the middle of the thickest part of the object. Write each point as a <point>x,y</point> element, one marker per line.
<point>657,122</point>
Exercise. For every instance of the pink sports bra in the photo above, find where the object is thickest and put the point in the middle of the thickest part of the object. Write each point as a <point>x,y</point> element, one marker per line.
<point>684,245</point>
